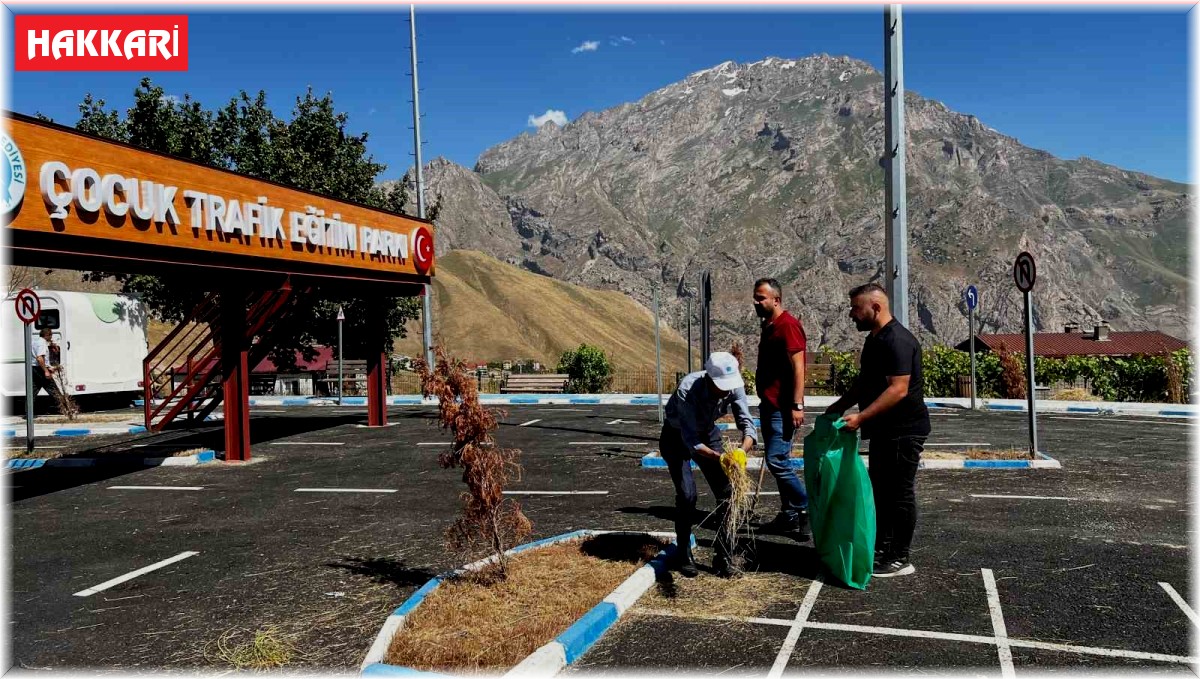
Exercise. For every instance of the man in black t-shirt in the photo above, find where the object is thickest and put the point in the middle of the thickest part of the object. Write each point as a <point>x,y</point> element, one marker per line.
<point>891,413</point>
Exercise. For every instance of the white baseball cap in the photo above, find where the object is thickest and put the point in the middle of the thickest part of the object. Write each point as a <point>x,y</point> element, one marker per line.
<point>722,368</point>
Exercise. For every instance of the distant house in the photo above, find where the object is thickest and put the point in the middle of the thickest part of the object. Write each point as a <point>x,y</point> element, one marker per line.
<point>267,378</point>
<point>1099,341</point>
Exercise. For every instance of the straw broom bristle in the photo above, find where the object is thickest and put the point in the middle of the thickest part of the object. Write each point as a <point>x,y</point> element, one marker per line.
<point>733,462</point>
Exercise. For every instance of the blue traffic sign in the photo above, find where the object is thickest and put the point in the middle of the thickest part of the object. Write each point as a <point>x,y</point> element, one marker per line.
<point>972,296</point>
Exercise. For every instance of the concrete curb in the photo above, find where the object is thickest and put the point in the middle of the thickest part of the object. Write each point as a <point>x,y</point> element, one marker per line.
<point>202,457</point>
<point>75,431</point>
<point>552,657</point>
<point>814,402</point>
<point>653,460</point>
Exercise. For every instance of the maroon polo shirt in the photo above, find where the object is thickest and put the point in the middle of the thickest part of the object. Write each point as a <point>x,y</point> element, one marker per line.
<point>774,378</point>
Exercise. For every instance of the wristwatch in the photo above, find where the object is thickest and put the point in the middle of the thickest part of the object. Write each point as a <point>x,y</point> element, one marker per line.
<point>797,406</point>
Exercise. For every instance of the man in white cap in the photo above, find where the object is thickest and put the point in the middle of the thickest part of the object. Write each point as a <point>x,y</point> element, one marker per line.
<point>690,433</point>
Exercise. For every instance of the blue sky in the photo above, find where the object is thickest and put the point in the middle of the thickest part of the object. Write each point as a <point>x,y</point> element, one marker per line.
<point>1108,85</point>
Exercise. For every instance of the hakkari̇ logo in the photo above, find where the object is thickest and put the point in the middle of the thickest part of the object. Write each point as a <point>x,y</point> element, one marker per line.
<point>12,183</point>
<point>120,42</point>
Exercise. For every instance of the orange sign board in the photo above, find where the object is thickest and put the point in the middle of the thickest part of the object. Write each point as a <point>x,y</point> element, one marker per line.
<point>60,182</point>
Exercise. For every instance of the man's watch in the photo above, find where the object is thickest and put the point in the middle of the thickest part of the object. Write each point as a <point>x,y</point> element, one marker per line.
<point>797,406</point>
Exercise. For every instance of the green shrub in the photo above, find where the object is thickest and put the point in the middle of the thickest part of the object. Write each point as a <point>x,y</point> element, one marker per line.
<point>589,369</point>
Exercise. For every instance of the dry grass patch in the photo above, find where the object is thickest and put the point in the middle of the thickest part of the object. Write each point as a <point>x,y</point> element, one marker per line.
<point>263,649</point>
<point>476,624</point>
<point>189,451</point>
<point>1076,395</point>
<point>746,596</point>
<point>129,418</point>
<point>977,454</point>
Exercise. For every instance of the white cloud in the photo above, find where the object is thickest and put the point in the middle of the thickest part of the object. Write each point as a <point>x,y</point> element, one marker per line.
<point>550,116</point>
<point>621,41</point>
<point>587,46</point>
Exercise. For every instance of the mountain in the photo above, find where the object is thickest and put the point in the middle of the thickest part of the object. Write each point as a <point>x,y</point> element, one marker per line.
<point>772,169</point>
<point>487,310</point>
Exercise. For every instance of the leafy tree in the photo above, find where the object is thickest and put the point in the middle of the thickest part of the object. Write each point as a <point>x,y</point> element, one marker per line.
<point>311,151</point>
<point>589,369</point>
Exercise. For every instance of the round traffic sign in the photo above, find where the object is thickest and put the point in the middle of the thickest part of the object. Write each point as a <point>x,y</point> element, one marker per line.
<point>972,296</point>
<point>422,245</point>
<point>1024,272</point>
<point>29,305</point>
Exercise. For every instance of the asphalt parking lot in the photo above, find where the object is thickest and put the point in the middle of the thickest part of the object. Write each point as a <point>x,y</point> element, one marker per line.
<point>333,525</point>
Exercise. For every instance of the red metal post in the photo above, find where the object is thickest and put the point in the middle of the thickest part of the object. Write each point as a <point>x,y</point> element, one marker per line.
<point>235,376</point>
<point>377,363</point>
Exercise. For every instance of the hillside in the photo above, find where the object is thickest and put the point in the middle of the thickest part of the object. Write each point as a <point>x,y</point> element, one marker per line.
<point>772,169</point>
<point>486,310</point>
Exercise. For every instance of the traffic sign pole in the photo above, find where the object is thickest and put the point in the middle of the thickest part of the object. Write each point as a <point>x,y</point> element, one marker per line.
<point>1033,442</point>
<point>972,302</point>
<point>29,307</point>
<point>1025,275</point>
<point>341,382</point>
<point>28,388</point>
<point>971,322</point>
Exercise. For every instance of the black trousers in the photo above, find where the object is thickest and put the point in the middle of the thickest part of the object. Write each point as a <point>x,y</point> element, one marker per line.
<point>40,381</point>
<point>893,471</point>
<point>678,457</point>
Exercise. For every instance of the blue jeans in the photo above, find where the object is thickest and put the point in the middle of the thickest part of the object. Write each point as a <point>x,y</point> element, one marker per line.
<point>777,433</point>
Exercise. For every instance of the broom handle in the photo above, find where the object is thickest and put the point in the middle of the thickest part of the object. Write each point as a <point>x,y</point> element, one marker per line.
<point>762,470</point>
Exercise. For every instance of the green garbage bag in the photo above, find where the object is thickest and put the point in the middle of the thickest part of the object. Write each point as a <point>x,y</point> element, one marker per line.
<point>841,507</point>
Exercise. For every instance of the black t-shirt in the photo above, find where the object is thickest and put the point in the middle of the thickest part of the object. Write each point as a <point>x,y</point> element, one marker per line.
<point>893,351</point>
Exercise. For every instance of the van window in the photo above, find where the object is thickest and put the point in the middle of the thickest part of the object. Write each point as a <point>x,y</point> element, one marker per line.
<point>48,318</point>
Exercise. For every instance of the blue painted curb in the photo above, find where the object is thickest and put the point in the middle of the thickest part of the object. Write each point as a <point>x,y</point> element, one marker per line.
<point>383,670</point>
<point>1081,409</point>
<point>583,401</point>
<point>201,457</point>
<point>417,597</point>
<point>1001,406</point>
<point>587,630</point>
<point>653,461</point>
<point>575,640</point>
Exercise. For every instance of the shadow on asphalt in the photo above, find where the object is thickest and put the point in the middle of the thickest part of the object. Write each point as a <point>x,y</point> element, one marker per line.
<point>121,458</point>
<point>386,571</point>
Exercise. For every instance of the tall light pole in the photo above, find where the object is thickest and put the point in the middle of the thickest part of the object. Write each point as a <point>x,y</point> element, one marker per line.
<point>427,298</point>
<point>895,214</point>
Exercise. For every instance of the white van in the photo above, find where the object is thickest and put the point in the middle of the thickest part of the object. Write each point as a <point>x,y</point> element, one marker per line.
<point>102,339</point>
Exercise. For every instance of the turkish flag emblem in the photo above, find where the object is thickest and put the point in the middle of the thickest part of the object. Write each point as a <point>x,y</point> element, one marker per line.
<point>422,246</point>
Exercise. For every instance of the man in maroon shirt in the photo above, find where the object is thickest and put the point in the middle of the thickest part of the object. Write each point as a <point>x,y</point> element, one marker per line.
<point>780,384</point>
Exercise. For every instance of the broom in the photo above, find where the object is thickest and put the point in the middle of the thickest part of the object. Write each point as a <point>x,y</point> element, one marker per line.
<point>733,462</point>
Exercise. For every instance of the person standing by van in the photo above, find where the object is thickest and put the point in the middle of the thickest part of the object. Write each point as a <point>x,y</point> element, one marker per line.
<point>43,371</point>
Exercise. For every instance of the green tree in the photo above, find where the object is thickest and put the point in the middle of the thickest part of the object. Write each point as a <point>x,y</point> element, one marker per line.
<point>589,369</point>
<point>312,151</point>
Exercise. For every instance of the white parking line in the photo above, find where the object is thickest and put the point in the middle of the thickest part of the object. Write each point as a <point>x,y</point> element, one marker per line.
<point>945,445</point>
<point>608,443</point>
<point>933,635</point>
<point>345,490</point>
<point>156,487</point>
<point>929,634</point>
<point>308,443</point>
<point>620,421</point>
<point>129,576</point>
<point>1155,421</point>
<point>789,643</point>
<point>1187,610</point>
<point>434,443</point>
<point>1025,497</point>
<point>556,492</point>
<point>526,424</point>
<point>998,628</point>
